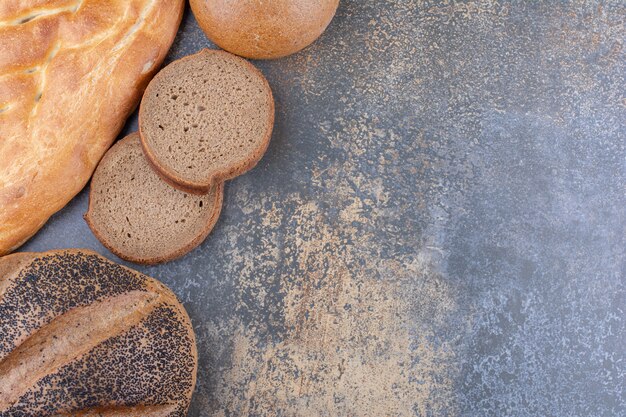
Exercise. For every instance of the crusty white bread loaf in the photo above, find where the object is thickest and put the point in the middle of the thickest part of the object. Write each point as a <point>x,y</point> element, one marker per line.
<point>71,71</point>
<point>84,336</point>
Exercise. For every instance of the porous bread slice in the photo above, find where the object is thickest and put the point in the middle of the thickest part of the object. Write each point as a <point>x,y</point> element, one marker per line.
<point>206,118</point>
<point>141,218</point>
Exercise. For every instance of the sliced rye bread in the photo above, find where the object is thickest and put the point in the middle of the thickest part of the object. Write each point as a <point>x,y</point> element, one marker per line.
<point>141,218</point>
<point>206,118</point>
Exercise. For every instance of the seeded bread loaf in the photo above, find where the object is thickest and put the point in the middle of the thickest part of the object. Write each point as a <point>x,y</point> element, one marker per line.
<point>71,71</point>
<point>260,29</point>
<point>83,336</point>
<point>141,218</point>
<point>206,118</point>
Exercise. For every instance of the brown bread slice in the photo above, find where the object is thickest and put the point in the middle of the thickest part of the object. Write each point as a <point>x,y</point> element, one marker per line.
<point>141,218</point>
<point>206,118</point>
<point>81,335</point>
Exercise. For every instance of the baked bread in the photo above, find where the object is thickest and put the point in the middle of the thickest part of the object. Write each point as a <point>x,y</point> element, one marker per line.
<point>71,71</point>
<point>259,29</point>
<point>206,118</point>
<point>83,336</point>
<point>138,216</point>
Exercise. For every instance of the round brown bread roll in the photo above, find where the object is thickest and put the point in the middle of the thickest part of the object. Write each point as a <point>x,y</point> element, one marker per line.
<point>84,336</point>
<point>259,29</point>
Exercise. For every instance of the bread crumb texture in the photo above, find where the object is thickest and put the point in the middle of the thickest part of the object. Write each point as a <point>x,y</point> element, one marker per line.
<point>141,217</point>
<point>207,114</point>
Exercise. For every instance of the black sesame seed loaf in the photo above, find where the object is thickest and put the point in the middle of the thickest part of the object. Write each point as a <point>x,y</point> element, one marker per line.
<point>84,336</point>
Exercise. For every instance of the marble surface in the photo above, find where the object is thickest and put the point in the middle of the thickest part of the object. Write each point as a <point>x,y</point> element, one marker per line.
<point>438,226</point>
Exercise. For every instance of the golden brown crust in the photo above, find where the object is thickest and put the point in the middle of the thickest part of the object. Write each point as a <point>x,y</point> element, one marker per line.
<point>263,30</point>
<point>70,74</point>
<point>72,325</point>
<point>199,238</point>
<point>216,176</point>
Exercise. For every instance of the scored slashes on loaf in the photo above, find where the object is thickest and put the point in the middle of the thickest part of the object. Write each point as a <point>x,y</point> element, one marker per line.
<point>84,336</point>
<point>71,71</point>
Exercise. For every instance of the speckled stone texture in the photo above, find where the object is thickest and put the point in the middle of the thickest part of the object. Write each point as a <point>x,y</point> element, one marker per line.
<point>437,229</point>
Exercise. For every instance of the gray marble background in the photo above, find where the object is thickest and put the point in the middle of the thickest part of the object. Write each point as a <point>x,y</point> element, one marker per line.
<point>438,226</point>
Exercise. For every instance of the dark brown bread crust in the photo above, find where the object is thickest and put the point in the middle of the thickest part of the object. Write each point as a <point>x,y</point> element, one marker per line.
<point>216,176</point>
<point>143,364</point>
<point>198,239</point>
